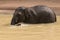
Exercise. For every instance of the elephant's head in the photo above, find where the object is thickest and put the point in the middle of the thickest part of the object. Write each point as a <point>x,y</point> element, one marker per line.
<point>18,16</point>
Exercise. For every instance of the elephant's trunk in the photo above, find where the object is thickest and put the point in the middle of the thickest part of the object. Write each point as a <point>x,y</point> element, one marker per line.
<point>14,20</point>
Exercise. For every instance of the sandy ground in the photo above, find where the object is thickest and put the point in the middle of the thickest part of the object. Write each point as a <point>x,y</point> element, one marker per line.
<point>28,31</point>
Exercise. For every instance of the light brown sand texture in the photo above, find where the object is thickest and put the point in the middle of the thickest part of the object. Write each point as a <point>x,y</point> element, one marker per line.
<point>28,31</point>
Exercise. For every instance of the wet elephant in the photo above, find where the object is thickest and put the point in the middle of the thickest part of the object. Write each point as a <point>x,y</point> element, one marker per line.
<point>33,15</point>
<point>39,14</point>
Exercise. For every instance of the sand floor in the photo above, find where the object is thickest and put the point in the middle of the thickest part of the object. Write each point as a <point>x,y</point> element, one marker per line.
<point>28,31</point>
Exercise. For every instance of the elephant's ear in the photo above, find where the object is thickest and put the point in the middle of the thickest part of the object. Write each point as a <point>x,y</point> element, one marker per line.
<point>33,11</point>
<point>30,12</point>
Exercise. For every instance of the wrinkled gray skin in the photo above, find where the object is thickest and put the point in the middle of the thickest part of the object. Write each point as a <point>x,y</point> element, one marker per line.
<point>34,15</point>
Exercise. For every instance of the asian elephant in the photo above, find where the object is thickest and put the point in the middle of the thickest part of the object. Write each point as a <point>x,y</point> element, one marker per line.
<point>34,15</point>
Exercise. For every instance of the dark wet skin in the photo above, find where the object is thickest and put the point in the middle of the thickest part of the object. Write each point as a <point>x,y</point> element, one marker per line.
<point>33,15</point>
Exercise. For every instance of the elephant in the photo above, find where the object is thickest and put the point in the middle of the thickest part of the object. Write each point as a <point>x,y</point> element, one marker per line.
<point>34,15</point>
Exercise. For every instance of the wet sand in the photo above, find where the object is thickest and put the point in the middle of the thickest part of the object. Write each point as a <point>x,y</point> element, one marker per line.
<point>49,31</point>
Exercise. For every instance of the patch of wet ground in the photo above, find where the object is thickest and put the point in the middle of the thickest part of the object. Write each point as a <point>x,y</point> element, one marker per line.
<point>49,31</point>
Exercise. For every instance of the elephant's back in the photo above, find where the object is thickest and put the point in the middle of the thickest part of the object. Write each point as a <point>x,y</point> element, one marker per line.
<point>41,8</point>
<point>45,12</point>
<point>40,14</point>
